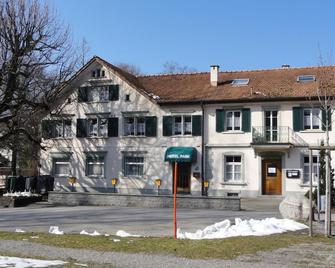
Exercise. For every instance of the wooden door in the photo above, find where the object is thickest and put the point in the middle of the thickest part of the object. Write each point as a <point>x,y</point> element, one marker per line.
<point>271,176</point>
<point>183,178</point>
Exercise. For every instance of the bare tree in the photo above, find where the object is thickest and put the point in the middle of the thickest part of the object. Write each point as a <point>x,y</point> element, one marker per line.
<point>172,67</point>
<point>36,58</point>
<point>130,68</point>
<point>84,51</point>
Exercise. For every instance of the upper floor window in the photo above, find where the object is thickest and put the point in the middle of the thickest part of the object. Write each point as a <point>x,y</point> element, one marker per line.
<point>312,118</point>
<point>98,93</point>
<point>97,127</point>
<point>97,73</point>
<point>315,169</point>
<point>58,128</point>
<point>134,126</point>
<point>182,125</point>
<point>306,78</point>
<point>233,120</point>
<point>233,168</point>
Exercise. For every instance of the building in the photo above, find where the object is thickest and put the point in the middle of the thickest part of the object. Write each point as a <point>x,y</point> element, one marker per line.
<point>245,132</point>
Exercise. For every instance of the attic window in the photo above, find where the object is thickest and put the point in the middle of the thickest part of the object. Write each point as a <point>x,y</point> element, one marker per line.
<point>240,82</point>
<point>98,73</point>
<point>306,78</point>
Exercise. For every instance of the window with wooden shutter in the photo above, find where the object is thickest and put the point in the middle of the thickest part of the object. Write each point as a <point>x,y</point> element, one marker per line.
<point>167,125</point>
<point>47,129</point>
<point>220,118</point>
<point>113,127</point>
<point>246,120</point>
<point>324,120</point>
<point>196,125</point>
<point>150,126</point>
<point>82,94</point>
<point>114,92</point>
<point>297,118</point>
<point>81,128</point>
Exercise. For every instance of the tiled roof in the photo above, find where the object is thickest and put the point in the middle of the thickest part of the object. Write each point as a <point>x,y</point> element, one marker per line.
<point>263,85</point>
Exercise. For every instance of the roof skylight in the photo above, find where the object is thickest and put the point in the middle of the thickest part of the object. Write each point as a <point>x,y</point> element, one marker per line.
<point>240,82</point>
<point>306,78</point>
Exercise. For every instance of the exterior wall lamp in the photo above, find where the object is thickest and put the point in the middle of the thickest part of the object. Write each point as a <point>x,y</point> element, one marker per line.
<point>158,183</point>
<point>114,182</point>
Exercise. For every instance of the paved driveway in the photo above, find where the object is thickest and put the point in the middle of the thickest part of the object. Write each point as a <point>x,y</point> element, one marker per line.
<point>145,221</point>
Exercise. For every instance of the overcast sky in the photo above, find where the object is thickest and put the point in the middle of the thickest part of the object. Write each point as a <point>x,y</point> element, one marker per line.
<point>236,34</point>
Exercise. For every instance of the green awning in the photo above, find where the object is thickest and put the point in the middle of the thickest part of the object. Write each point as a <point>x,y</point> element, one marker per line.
<point>181,154</point>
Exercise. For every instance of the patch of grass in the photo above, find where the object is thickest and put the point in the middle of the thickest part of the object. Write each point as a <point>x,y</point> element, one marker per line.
<point>228,248</point>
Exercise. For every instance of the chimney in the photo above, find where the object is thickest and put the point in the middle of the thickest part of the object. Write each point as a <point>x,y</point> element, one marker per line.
<point>214,75</point>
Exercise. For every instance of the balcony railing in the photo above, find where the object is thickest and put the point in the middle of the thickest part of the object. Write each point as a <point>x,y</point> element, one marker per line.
<point>282,134</point>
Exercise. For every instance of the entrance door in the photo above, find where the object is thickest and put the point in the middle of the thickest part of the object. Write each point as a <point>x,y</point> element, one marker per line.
<point>271,176</point>
<point>271,126</point>
<point>183,178</point>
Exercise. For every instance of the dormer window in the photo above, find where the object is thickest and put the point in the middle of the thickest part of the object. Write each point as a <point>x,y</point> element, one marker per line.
<point>240,82</point>
<point>97,73</point>
<point>306,78</point>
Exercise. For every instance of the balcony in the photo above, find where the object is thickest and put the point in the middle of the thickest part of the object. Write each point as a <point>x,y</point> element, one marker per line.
<point>275,139</point>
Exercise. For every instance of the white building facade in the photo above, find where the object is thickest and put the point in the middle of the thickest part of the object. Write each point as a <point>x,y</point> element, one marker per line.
<point>110,124</point>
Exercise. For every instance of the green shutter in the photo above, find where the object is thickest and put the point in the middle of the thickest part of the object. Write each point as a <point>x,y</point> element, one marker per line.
<point>246,120</point>
<point>82,94</point>
<point>48,129</point>
<point>297,118</point>
<point>167,125</point>
<point>220,117</point>
<point>114,92</point>
<point>151,126</point>
<point>113,127</point>
<point>324,120</point>
<point>196,125</point>
<point>81,128</point>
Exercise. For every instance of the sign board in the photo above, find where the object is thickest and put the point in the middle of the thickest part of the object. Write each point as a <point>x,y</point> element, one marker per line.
<point>293,173</point>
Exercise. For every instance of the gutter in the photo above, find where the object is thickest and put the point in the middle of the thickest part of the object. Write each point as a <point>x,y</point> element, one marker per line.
<point>202,149</point>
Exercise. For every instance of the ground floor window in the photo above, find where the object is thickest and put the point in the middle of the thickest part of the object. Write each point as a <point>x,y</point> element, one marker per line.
<point>61,167</point>
<point>133,165</point>
<point>95,165</point>
<point>233,168</point>
<point>315,169</point>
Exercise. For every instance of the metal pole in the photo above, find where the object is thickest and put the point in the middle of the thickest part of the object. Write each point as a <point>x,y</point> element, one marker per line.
<point>310,193</point>
<point>318,197</point>
<point>175,200</point>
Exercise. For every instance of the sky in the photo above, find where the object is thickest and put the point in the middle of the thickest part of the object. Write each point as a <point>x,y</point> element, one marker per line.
<point>235,34</point>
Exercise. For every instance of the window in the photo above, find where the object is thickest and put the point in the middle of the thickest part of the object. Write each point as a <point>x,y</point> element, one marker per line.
<point>98,94</point>
<point>233,120</point>
<point>97,73</point>
<point>233,168</point>
<point>133,165</point>
<point>306,78</point>
<point>315,169</point>
<point>97,127</point>
<point>134,126</point>
<point>95,165</point>
<point>312,118</point>
<point>59,128</point>
<point>240,82</point>
<point>182,125</point>
<point>61,167</point>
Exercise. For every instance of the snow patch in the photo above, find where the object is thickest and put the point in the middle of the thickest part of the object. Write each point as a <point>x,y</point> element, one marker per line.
<point>116,240</point>
<point>55,230</point>
<point>18,194</point>
<point>241,227</point>
<point>18,230</point>
<point>122,233</point>
<point>26,262</point>
<point>95,233</point>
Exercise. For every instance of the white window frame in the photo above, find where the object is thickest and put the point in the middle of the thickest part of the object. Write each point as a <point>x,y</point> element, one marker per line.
<point>126,172</point>
<point>135,126</point>
<point>58,161</point>
<point>241,164</point>
<point>99,129</point>
<point>233,120</point>
<point>182,125</point>
<point>311,117</point>
<point>315,167</point>
<point>97,162</point>
<point>62,127</point>
<point>98,94</point>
